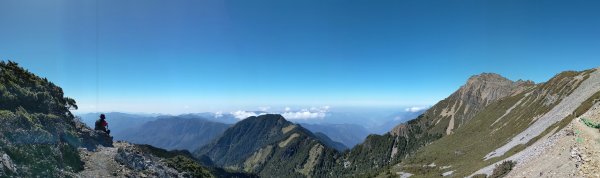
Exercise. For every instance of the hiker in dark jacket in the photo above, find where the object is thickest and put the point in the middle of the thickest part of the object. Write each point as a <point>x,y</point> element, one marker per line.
<point>101,124</point>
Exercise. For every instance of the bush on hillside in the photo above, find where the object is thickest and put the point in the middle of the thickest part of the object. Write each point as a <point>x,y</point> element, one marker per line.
<point>503,169</point>
<point>479,176</point>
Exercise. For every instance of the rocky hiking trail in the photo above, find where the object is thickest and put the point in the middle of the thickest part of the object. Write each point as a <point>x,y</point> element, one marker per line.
<point>575,154</point>
<point>124,160</point>
<point>102,163</point>
<point>573,151</point>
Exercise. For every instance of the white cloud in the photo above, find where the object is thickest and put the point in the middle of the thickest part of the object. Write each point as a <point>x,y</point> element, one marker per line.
<point>312,113</point>
<point>244,114</point>
<point>415,109</point>
<point>303,115</point>
<point>218,114</point>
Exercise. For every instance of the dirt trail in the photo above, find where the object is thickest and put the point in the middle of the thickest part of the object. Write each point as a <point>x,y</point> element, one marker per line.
<point>101,163</point>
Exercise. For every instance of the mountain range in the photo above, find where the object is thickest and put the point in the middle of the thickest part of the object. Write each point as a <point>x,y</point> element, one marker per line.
<point>190,131</point>
<point>489,127</point>
<point>176,133</point>
<point>348,134</point>
<point>487,120</point>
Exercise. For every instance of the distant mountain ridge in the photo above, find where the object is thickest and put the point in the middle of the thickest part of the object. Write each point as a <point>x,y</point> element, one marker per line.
<point>176,133</point>
<point>191,131</point>
<point>348,134</point>
<point>459,112</point>
<point>119,123</point>
<point>215,117</point>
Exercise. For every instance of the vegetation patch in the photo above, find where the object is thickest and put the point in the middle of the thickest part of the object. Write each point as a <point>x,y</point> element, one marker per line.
<point>503,169</point>
<point>185,164</point>
<point>590,123</point>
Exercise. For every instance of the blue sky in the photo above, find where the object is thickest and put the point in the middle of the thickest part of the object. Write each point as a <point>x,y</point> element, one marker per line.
<point>220,55</point>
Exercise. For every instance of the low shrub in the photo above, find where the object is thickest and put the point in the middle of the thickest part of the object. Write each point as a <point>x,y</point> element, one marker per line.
<point>503,169</point>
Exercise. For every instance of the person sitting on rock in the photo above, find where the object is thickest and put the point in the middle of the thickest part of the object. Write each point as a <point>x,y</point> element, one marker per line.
<point>102,125</point>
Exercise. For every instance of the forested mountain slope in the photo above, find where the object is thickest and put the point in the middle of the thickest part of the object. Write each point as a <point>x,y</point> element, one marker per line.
<point>271,146</point>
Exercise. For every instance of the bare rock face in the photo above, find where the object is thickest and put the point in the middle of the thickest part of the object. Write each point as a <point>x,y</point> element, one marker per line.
<point>90,139</point>
<point>144,164</point>
<point>7,165</point>
<point>478,92</point>
<point>488,87</point>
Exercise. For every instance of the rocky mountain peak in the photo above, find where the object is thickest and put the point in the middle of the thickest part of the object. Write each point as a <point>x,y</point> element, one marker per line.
<point>487,77</point>
<point>487,87</point>
<point>479,91</point>
<point>267,118</point>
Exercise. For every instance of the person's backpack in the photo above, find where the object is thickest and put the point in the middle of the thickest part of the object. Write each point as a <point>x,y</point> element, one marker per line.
<point>98,125</point>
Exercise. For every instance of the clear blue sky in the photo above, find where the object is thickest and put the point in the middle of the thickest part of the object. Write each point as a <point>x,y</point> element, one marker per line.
<point>212,55</point>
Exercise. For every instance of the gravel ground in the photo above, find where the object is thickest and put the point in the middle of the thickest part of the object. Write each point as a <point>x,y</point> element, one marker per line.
<point>100,163</point>
<point>587,88</point>
<point>572,152</point>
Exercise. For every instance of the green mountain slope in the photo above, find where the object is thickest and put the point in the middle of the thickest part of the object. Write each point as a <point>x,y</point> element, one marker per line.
<point>442,119</point>
<point>271,146</point>
<point>529,112</point>
<point>254,142</point>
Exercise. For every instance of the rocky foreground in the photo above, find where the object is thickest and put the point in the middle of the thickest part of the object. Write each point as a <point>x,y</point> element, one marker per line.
<point>572,152</point>
<point>125,160</point>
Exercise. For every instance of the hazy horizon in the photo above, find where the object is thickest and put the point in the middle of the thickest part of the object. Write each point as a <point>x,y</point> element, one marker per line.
<point>298,113</point>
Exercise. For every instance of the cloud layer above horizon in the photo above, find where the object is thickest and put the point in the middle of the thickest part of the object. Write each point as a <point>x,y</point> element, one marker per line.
<point>288,113</point>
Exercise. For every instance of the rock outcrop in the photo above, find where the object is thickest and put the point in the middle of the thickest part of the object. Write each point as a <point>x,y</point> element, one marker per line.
<point>144,164</point>
<point>91,139</point>
<point>7,165</point>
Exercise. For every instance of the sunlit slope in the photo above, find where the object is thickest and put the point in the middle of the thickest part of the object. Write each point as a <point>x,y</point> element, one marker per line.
<point>529,113</point>
<point>379,152</point>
